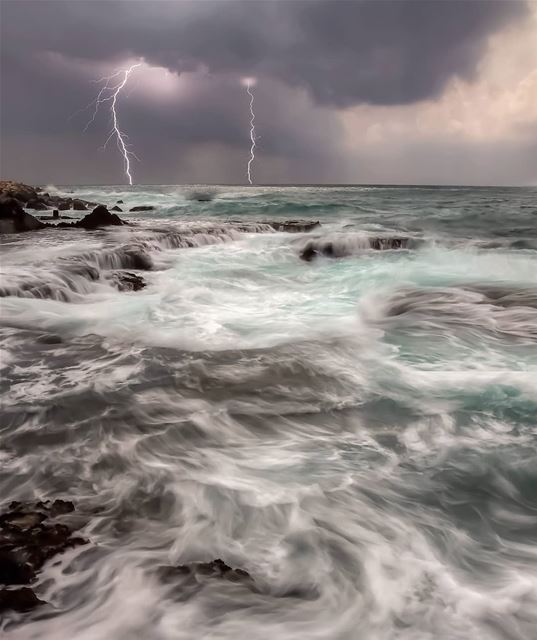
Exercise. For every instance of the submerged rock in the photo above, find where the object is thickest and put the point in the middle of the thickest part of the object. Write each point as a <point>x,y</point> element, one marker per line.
<point>28,538</point>
<point>344,245</point>
<point>142,207</point>
<point>99,217</point>
<point>294,226</point>
<point>13,218</point>
<point>213,569</point>
<point>200,195</point>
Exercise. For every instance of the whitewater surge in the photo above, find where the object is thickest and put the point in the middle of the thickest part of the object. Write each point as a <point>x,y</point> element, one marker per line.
<point>355,435</point>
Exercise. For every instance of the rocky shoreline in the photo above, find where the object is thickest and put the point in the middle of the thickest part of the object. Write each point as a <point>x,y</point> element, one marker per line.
<point>16,198</point>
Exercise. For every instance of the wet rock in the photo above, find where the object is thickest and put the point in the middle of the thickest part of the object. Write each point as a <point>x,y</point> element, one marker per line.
<point>343,245</point>
<point>36,205</point>
<point>99,217</point>
<point>20,600</point>
<point>18,190</point>
<point>28,538</point>
<point>383,244</point>
<point>79,205</point>
<point>13,218</point>
<point>13,570</point>
<point>116,208</point>
<point>294,226</point>
<point>49,338</point>
<point>128,281</point>
<point>142,207</point>
<point>214,569</point>
<point>135,258</point>
<point>119,201</point>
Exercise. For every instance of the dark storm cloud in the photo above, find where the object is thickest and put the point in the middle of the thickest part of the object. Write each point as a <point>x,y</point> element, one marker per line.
<point>335,53</point>
<point>342,52</point>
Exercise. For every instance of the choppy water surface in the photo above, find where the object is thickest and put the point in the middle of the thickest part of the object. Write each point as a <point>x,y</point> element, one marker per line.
<point>358,434</point>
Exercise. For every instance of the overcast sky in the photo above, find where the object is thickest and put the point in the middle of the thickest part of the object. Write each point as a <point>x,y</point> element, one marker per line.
<point>377,91</point>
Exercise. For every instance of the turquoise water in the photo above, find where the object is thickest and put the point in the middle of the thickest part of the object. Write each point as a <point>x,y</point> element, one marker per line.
<point>359,433</point>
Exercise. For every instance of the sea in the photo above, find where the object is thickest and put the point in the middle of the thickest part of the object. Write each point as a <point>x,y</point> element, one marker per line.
<point>357,432</point>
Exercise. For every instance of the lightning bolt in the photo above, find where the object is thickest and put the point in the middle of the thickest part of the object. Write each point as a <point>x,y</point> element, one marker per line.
<point>249,83</point>
<point>112,87</point>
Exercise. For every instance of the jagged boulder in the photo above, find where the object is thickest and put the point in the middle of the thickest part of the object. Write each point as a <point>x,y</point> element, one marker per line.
<point>116,208</point>
<point>99,217</point>
<point>13,218</point>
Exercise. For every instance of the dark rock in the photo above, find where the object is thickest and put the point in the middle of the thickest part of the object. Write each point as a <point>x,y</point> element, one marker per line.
<point>21,600</point>
<point>120,201</point>
<point>55,213</point>
<point>79,205</point>
<point>214,569</point>
<point>13,570</point>
<point>14,219</point>
<point>134,258</point>
<point>28,539</point>
<point>99,217</point>
<point>116,208</point>
<point>51,338</point>
<point>294,226</point>
<point>344,245</point>
<point>36,205</point>
<point>127,281</point>
<point>142,207</point>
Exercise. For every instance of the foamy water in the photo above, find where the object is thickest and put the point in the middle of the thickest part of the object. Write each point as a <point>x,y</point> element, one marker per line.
<point>358,434</point>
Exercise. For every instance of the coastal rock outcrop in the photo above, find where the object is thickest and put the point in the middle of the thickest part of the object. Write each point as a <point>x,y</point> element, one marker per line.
<point>13,218</point>
<point>21,192</point>
<point>99,217</point>
<point>40,200</point>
